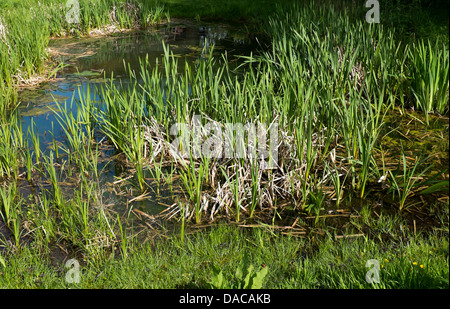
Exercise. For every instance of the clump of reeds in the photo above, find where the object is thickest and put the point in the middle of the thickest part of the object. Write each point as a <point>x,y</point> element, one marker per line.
<point>139,123</point>
<point>229,186</point>
<point>429,65</point>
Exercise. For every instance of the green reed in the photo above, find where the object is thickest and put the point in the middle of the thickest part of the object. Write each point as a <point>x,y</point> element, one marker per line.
<point>74,135</point>
<point>11,141</point>
<point>338,184</point>
<point>45,218</point>
<point>7,198</point>
<point>234,182</point>
<point>429,65</point>
<point>28,163</point>
<point>155,16</point>
<point>193,180</point>
<point>123,238</point>
<point>169,177</point>
<point>157,174</point>
<point>55,145</point>
<point>255,193</point>
<point>123,123</point>
<point>79,133</point>
<point>35,140</point>
<point>83,208</point>
<point>404,179</point>
<point>49,165</point>
<point>10,210</point>
<point>136,153</point>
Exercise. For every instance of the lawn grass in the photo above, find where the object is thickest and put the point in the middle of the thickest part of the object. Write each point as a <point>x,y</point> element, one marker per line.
<point>293,263</point>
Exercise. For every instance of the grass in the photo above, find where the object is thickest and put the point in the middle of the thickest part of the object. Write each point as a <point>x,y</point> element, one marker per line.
<point>26,27</point>
<point>25,50</point>
<point>289,263</point>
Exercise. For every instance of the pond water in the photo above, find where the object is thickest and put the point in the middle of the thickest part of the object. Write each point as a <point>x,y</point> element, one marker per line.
<point>91,61</point>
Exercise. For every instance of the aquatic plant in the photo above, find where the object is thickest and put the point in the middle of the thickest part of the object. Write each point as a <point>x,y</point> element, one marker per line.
<point>407,178</point>
<point>429,66</point>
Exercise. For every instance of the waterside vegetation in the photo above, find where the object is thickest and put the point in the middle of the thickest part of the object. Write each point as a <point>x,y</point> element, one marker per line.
<point>361,116</point>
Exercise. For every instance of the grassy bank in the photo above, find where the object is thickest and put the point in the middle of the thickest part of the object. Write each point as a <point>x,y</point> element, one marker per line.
<point>302,263</point>
<point>26,27</point>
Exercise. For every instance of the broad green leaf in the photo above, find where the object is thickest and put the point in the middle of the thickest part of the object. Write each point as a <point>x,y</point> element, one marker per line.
<point>443,185</point>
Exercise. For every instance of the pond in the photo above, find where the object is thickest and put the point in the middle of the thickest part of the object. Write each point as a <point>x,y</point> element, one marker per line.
<point>92,61</point>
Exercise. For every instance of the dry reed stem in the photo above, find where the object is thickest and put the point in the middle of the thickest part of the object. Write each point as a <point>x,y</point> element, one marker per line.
<point>274,184</point>
<point>3,33</point>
